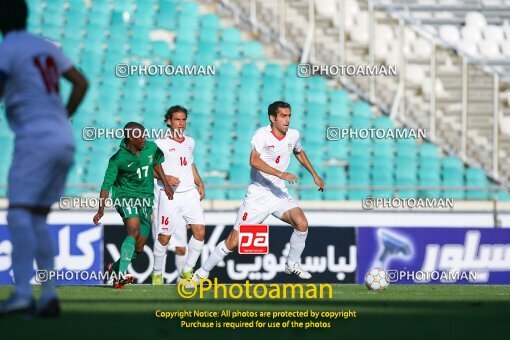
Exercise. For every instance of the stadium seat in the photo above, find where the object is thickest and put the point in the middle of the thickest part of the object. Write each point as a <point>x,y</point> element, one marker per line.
<point>335,176</point>
<point>273,71</point>
<point>215,193</point>
<point>184,34</point>
<point>210,22</point>
<point>382,182</point>
<point>208,36</point>
<point>252,50</point>
<point>311,193</point>
<point>231,35</point>
<point>160,49</point>
<point>359,180</point>
<point>383,122</point>
<point>361,109</point>
<point>453,176</point>
<point>475,177</point>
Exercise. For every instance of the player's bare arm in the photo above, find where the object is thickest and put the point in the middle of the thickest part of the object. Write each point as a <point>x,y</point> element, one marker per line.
<point>171,179</point>
<point>103,195</point>
<point>303,159</point>
<point>259,164</point>
<point>158,170</point>
<point>78,91</point>
<point>198,182</point>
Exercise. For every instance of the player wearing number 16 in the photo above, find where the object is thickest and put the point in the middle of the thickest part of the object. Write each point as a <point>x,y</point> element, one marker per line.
<point>130,176</point>
<point>171,216</point>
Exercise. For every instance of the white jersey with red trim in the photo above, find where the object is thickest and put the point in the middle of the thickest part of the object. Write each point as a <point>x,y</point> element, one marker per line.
<point>276,152</point>
<point>32,67</point>
<point>178,161</point>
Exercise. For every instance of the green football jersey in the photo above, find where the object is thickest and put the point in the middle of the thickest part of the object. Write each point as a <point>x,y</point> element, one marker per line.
<point>132,176</point>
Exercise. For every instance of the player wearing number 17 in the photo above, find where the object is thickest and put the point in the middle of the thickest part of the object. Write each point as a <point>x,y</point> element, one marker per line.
<point>271,150</point>
<point>130,175</point>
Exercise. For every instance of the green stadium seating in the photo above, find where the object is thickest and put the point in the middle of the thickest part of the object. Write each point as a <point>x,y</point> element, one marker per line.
<point>252,50</point>
<point>210,22</point>
<point>453,176</point>
<point>475,177</point>
<point>232,104</point>
<point>361,109</point>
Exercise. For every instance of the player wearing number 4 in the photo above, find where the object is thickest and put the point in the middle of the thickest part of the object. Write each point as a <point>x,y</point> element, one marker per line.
<point>30,68</point>
<point>189,190</point>
<point>272,147</point>
<point>130,175</point>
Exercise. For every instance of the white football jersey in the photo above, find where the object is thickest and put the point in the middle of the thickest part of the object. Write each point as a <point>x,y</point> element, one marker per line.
<point>276,153</point>
<point>178,161</point>
<point>33,67</point>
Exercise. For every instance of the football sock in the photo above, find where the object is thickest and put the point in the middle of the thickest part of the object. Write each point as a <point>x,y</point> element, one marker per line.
<point>23,249</point>
<point>159,257</point>
<point>216,256</point>
<point>116,264</point>
<point>126,253</point>
<point>297,245</point>
<point>194,250</point>
<point>180,260</point>
<point>45,254</point>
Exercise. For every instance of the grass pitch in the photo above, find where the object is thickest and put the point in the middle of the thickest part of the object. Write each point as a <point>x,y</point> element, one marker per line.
<point>401,311</point>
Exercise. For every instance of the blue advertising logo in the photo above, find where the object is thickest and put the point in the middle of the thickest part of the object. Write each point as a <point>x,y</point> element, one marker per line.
<point>436,255</point>
<point>77,249</point>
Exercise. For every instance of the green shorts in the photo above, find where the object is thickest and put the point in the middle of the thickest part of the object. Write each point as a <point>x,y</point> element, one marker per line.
<point>140,212</point>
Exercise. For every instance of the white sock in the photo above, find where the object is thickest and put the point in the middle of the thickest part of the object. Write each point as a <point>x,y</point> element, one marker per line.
<point>159,257</point>
<point>23,249</point>
<point>216,257</point>
<point>45,254</point>
<point>180,260</point>
<point>297,245</point>
<point>194,250</point>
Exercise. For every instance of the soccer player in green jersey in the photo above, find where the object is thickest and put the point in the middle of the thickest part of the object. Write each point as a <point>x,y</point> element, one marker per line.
<point>130,175</point>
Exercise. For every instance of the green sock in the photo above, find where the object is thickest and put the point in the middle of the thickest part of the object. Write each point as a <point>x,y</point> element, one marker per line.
<point>135,255</point>
<point>116,265</point>
<point>126,253</point>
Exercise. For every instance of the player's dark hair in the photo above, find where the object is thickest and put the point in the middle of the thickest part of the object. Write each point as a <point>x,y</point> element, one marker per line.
<point>176,108</point>
<point>272,109</point>
<point>13,15</point>
<point>131,126</point>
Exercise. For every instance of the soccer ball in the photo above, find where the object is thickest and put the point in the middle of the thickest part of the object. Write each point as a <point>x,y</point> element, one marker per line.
<point>377,279</point>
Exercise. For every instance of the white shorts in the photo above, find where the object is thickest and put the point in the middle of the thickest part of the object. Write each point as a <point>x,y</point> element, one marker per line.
<point>180,237</point>
<point>259,203</point>
<point>37,177</point>
<point>184,209</point>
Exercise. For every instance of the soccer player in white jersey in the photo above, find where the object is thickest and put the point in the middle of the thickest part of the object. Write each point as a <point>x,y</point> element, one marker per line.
<point>188,190</point>
<point>30,68</point>
<point>272,147</point>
